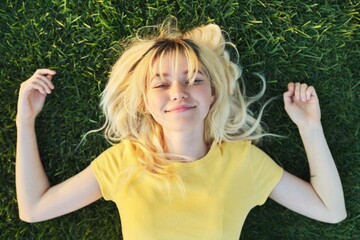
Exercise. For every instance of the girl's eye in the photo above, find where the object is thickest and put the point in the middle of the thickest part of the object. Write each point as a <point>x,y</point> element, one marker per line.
<point>161,85</point>
<point>196,81</point>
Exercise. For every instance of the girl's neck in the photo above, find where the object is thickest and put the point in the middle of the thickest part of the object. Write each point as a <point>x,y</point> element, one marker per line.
<point>191,145</point>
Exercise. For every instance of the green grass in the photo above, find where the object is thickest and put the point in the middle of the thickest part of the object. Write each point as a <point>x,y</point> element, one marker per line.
<point>293,40</point>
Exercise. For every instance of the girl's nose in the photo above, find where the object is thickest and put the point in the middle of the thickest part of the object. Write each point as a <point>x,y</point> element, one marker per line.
<point>178,91</point>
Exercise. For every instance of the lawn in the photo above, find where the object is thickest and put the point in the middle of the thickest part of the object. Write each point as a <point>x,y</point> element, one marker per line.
<point>309,41</point>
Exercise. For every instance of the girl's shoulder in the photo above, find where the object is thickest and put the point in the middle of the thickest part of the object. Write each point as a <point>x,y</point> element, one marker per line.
<point>243,149</point>
<point>119,152</point>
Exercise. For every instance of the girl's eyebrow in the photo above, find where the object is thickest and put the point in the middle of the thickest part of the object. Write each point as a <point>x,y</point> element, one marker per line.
<point>186,72</point>
<point>166,74</point>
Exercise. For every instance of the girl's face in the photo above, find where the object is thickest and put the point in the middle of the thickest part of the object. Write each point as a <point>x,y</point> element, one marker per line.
<point>172,102</point>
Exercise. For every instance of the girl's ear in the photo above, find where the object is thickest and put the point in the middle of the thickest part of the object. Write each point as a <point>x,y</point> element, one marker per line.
<point>209,35</point>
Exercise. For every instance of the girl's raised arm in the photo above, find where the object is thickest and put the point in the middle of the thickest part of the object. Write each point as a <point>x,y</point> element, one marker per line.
<point>37,200</point>
<point>323,197</point>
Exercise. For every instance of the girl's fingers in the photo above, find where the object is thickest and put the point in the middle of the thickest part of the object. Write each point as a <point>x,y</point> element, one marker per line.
<point>40,83</point>
<point>311,92</point>
<point>45,71</point>
<point>41,80</point>
<point>39,87</point>
<point>290,91</point>
<point>45,74</point>
<point>45,80</point>
<point>291,87</point>
<point>303,92</point>
<point>297,91</point>
<point>289,94</point>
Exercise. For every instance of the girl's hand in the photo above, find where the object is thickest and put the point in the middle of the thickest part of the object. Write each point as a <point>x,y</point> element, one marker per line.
<point>32,94</point>
<point>302,105</point>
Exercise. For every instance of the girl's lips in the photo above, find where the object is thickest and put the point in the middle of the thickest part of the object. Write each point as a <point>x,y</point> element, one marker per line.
<point>180,108</point>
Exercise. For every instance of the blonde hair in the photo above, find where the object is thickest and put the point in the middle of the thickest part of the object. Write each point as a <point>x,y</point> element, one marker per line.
<point>124,98</point>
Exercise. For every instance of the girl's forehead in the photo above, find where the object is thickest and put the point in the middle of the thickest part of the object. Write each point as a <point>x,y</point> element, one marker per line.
<point>168,63</point>
<point>169,60</point>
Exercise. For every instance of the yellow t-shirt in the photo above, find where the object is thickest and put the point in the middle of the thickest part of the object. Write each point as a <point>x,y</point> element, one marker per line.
<point>220,190</point>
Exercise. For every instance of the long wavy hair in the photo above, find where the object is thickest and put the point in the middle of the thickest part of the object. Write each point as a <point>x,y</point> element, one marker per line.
<point>124,99</point>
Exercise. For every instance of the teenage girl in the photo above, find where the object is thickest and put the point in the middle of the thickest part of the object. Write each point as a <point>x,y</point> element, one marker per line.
<point>183,164</point>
